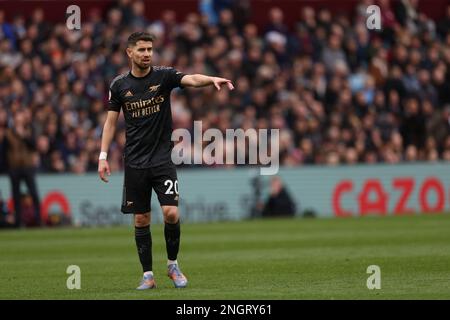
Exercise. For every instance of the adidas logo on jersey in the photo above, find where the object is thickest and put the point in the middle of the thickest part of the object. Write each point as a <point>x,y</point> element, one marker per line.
<point>128,94</point>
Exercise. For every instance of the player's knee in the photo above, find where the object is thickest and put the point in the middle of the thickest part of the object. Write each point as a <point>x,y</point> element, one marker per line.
<point>170,214</point>
<point>142,220</point>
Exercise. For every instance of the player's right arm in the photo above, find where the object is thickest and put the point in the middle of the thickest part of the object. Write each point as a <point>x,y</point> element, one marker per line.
<point>108,133</point>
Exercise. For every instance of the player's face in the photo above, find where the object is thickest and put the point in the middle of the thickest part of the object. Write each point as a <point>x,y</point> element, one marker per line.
<point>141,54</point>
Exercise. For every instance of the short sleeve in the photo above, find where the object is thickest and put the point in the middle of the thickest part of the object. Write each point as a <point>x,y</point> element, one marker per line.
<point>174,78</point>
<point>114,101</point>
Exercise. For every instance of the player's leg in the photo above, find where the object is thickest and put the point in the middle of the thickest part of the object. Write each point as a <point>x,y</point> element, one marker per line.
<point>172,236</point>
<point>136,199</point>
<point>143,238</point>
<point>171,232</point>
<point>165,184</point>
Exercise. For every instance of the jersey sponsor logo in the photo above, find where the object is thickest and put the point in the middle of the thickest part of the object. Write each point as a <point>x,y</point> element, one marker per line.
<point>144,108</point>
<point>154,88</point>
<point>145,112</point>
<point>129,203</point>
<point>128,94</point>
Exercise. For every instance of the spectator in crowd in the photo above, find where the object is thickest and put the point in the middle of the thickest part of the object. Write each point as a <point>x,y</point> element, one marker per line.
<point>20,158</point>
<point>339,93</point>
<point>279,203</point>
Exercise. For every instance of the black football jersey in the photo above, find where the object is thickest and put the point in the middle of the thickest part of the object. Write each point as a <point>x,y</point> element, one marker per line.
<point>145,103</point>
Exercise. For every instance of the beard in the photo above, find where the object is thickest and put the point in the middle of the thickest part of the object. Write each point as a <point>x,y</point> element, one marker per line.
<point>142,65</point>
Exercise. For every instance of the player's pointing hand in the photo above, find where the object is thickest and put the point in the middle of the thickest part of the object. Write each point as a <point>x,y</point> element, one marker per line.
<point>219,81</point>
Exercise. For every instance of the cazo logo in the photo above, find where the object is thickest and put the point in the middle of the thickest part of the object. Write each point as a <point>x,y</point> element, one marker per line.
<point>373,21</point>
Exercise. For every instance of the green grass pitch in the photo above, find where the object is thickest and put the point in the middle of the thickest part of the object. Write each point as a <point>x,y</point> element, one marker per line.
<point>261,259</point>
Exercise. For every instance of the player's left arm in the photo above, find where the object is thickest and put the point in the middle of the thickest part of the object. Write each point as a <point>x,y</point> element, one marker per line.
<point>200,80</point>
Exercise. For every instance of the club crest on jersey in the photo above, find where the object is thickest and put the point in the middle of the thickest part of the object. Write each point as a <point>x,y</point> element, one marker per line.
<point>128,94</point>
<point>154,88</point>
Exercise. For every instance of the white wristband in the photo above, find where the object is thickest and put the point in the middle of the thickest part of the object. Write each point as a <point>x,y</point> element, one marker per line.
<point>103,155</point>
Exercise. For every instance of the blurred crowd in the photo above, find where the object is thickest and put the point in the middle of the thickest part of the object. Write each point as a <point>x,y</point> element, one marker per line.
<point>338,92</point>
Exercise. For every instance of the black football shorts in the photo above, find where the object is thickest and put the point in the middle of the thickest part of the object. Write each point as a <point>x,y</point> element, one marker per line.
<point>138,185</point>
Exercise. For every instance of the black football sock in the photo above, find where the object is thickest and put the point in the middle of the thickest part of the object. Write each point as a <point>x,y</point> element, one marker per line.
<point>143,238</point>
<point>172,235</point>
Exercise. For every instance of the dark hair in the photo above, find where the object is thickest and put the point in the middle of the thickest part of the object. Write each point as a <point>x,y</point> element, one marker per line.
<point>139,36</point>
